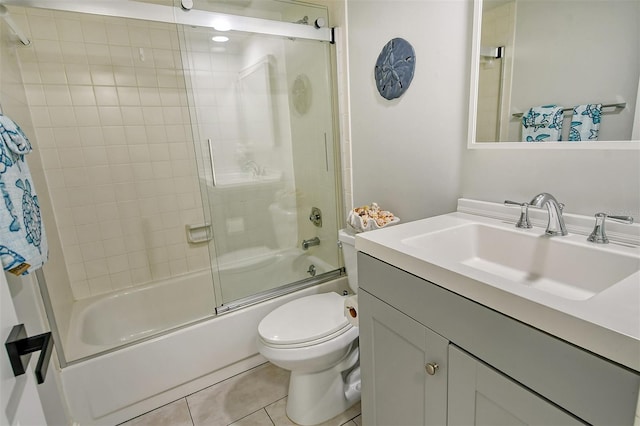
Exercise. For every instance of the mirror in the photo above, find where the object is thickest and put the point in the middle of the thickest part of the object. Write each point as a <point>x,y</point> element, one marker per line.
<point>533,53</point>
<point>257,103</point>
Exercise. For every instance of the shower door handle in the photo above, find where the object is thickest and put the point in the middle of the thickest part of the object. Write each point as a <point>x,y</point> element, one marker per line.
<point>19,348</point>
<point>213,169</point>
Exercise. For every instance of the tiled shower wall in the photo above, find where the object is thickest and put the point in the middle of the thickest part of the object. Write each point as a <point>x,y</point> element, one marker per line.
<point>110,113</point>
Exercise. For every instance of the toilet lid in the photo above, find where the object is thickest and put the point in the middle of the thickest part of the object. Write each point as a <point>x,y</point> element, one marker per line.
<point>305,319</point>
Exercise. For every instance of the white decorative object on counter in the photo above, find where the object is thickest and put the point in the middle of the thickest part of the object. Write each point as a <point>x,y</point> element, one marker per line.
<point>367,218</point>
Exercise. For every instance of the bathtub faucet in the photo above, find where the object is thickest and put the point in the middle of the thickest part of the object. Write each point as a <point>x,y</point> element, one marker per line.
<point>310,243</point>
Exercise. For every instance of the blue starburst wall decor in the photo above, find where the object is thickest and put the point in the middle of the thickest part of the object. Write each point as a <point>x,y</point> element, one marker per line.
<point>394,68</point>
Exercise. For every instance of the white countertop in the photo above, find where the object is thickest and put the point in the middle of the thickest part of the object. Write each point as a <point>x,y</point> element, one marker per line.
<point>607,324</point>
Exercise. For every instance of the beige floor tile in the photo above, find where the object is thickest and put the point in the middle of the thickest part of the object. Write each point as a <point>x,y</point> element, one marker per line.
<point>259,418</point>
<point>239,396</point>
<point>277,412</point>
<point>358,420</point>
<point>174,414</point>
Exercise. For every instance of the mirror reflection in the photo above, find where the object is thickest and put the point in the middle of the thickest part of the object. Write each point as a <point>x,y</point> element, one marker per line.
<point>554,70</point>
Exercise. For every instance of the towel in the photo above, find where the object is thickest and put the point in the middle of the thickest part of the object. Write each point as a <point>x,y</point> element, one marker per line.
<point>585,123</point>
<point>542,123</point>
<point>23,244</point>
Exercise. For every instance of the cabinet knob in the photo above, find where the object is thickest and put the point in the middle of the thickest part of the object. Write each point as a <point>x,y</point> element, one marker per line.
<point>431,368</point>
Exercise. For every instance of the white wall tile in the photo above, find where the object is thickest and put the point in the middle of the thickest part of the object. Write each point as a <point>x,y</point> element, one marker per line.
<point>69,29</point>
<point>77,73</point>
<point>94,32</point>
<point>104,112</point>
<point>73,52</point>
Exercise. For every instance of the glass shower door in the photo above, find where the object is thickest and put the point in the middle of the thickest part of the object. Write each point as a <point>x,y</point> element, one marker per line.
<point>262,112</point>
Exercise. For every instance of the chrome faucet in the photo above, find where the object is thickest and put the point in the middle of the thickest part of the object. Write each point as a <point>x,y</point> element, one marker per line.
<point>310,243</point>
<point>556,225</point>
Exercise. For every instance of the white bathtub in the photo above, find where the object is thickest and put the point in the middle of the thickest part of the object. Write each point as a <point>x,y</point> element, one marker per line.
<point>103,322</point>
<point>129,381</point>
<point>107,321</point>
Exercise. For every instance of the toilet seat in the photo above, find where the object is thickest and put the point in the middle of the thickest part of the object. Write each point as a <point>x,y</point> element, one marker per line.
<point>304,322</point>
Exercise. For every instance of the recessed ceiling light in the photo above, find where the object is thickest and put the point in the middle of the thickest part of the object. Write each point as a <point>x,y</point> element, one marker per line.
<point>220,39</point>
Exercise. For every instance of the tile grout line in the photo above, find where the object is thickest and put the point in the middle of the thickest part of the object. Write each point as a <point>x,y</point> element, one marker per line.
<point>269,415</point>
<point>251,414</point>
<point>189,410</point>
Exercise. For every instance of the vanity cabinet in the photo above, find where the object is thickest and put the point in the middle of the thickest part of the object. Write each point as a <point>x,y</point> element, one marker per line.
<point>481,395</point>
<point>491,369</point>
<point>395,353</point>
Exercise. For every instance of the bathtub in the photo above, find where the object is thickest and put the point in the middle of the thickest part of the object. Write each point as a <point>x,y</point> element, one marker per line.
<point>144,374</point>
<point>107,321</point>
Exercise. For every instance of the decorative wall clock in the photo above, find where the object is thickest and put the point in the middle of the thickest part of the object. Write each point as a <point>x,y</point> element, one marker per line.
<point>394,68</point>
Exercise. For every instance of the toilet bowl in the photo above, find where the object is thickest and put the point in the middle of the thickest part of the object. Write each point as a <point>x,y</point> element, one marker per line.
<point>312,338</point>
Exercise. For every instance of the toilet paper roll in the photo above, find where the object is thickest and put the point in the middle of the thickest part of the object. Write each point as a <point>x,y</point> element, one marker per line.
<point>351,309</point>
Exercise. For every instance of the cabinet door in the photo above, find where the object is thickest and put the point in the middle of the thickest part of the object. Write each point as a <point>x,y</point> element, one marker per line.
<point>395,350</point>
<point>480,395</point>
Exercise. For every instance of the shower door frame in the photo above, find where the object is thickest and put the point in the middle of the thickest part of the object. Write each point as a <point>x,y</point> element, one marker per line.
<point>130,9</point>
<point>175,15</point>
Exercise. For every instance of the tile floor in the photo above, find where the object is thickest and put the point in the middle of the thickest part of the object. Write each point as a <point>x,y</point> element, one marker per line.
<point>254,398</point>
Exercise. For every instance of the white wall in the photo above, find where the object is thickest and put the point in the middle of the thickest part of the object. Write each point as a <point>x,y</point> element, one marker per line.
<point>586,181</point>
<point>410,155</point>
<point>407,152</point>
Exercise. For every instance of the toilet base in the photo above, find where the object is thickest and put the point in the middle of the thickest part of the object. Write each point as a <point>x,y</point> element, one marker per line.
<point>316,397</point>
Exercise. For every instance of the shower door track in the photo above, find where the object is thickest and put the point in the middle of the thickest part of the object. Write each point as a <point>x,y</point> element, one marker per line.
<point>174,15</point>
<point>276,292</point>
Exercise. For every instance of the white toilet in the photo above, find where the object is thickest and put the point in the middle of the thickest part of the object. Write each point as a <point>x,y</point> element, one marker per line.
<point>312,338</point>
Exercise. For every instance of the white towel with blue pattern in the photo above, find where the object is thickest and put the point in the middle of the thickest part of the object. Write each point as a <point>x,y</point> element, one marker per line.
<point>585,123</point>
<point>542,124</point>
<point>23,244</point>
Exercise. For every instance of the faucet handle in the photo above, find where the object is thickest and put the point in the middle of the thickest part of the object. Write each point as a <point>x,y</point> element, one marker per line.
<point>524,221</point>
<point>598,235</point>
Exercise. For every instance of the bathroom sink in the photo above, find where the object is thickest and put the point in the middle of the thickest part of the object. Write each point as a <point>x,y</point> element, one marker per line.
<point>556,265</point>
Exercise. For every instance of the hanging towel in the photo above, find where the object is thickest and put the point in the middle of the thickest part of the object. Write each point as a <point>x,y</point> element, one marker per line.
<point>585,123</point>
<point>542,123</point>
<point>23,245</point>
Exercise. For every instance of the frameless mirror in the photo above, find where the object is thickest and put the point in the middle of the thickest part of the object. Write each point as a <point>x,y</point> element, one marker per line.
<point>533,53</point>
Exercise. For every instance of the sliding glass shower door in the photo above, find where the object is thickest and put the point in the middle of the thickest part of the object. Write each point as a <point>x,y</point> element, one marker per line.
<point>263,127</point>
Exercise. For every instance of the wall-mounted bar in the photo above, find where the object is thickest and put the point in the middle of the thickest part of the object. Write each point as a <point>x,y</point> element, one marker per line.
<point>618,106</point>
<point>4,14</point>
<point>176,15</point>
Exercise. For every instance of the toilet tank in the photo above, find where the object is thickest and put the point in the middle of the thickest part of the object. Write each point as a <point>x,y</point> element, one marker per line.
<point>348,240</point>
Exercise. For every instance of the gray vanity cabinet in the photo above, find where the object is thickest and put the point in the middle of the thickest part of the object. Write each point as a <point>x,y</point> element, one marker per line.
<point>491,369</point>
<point>480,395</point>
<point>397,390</point>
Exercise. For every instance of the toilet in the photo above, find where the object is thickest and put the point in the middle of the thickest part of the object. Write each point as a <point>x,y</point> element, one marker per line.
<point>312,337</point>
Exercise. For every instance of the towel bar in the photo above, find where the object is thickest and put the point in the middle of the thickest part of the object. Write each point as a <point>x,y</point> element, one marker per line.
<point>621,105</point>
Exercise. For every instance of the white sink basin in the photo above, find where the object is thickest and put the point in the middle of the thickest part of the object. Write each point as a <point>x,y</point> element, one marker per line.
<point>584,293</point>
<point>550,264</point>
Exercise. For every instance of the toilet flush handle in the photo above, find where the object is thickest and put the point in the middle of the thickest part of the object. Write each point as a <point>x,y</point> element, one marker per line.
<point>431,368</point>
